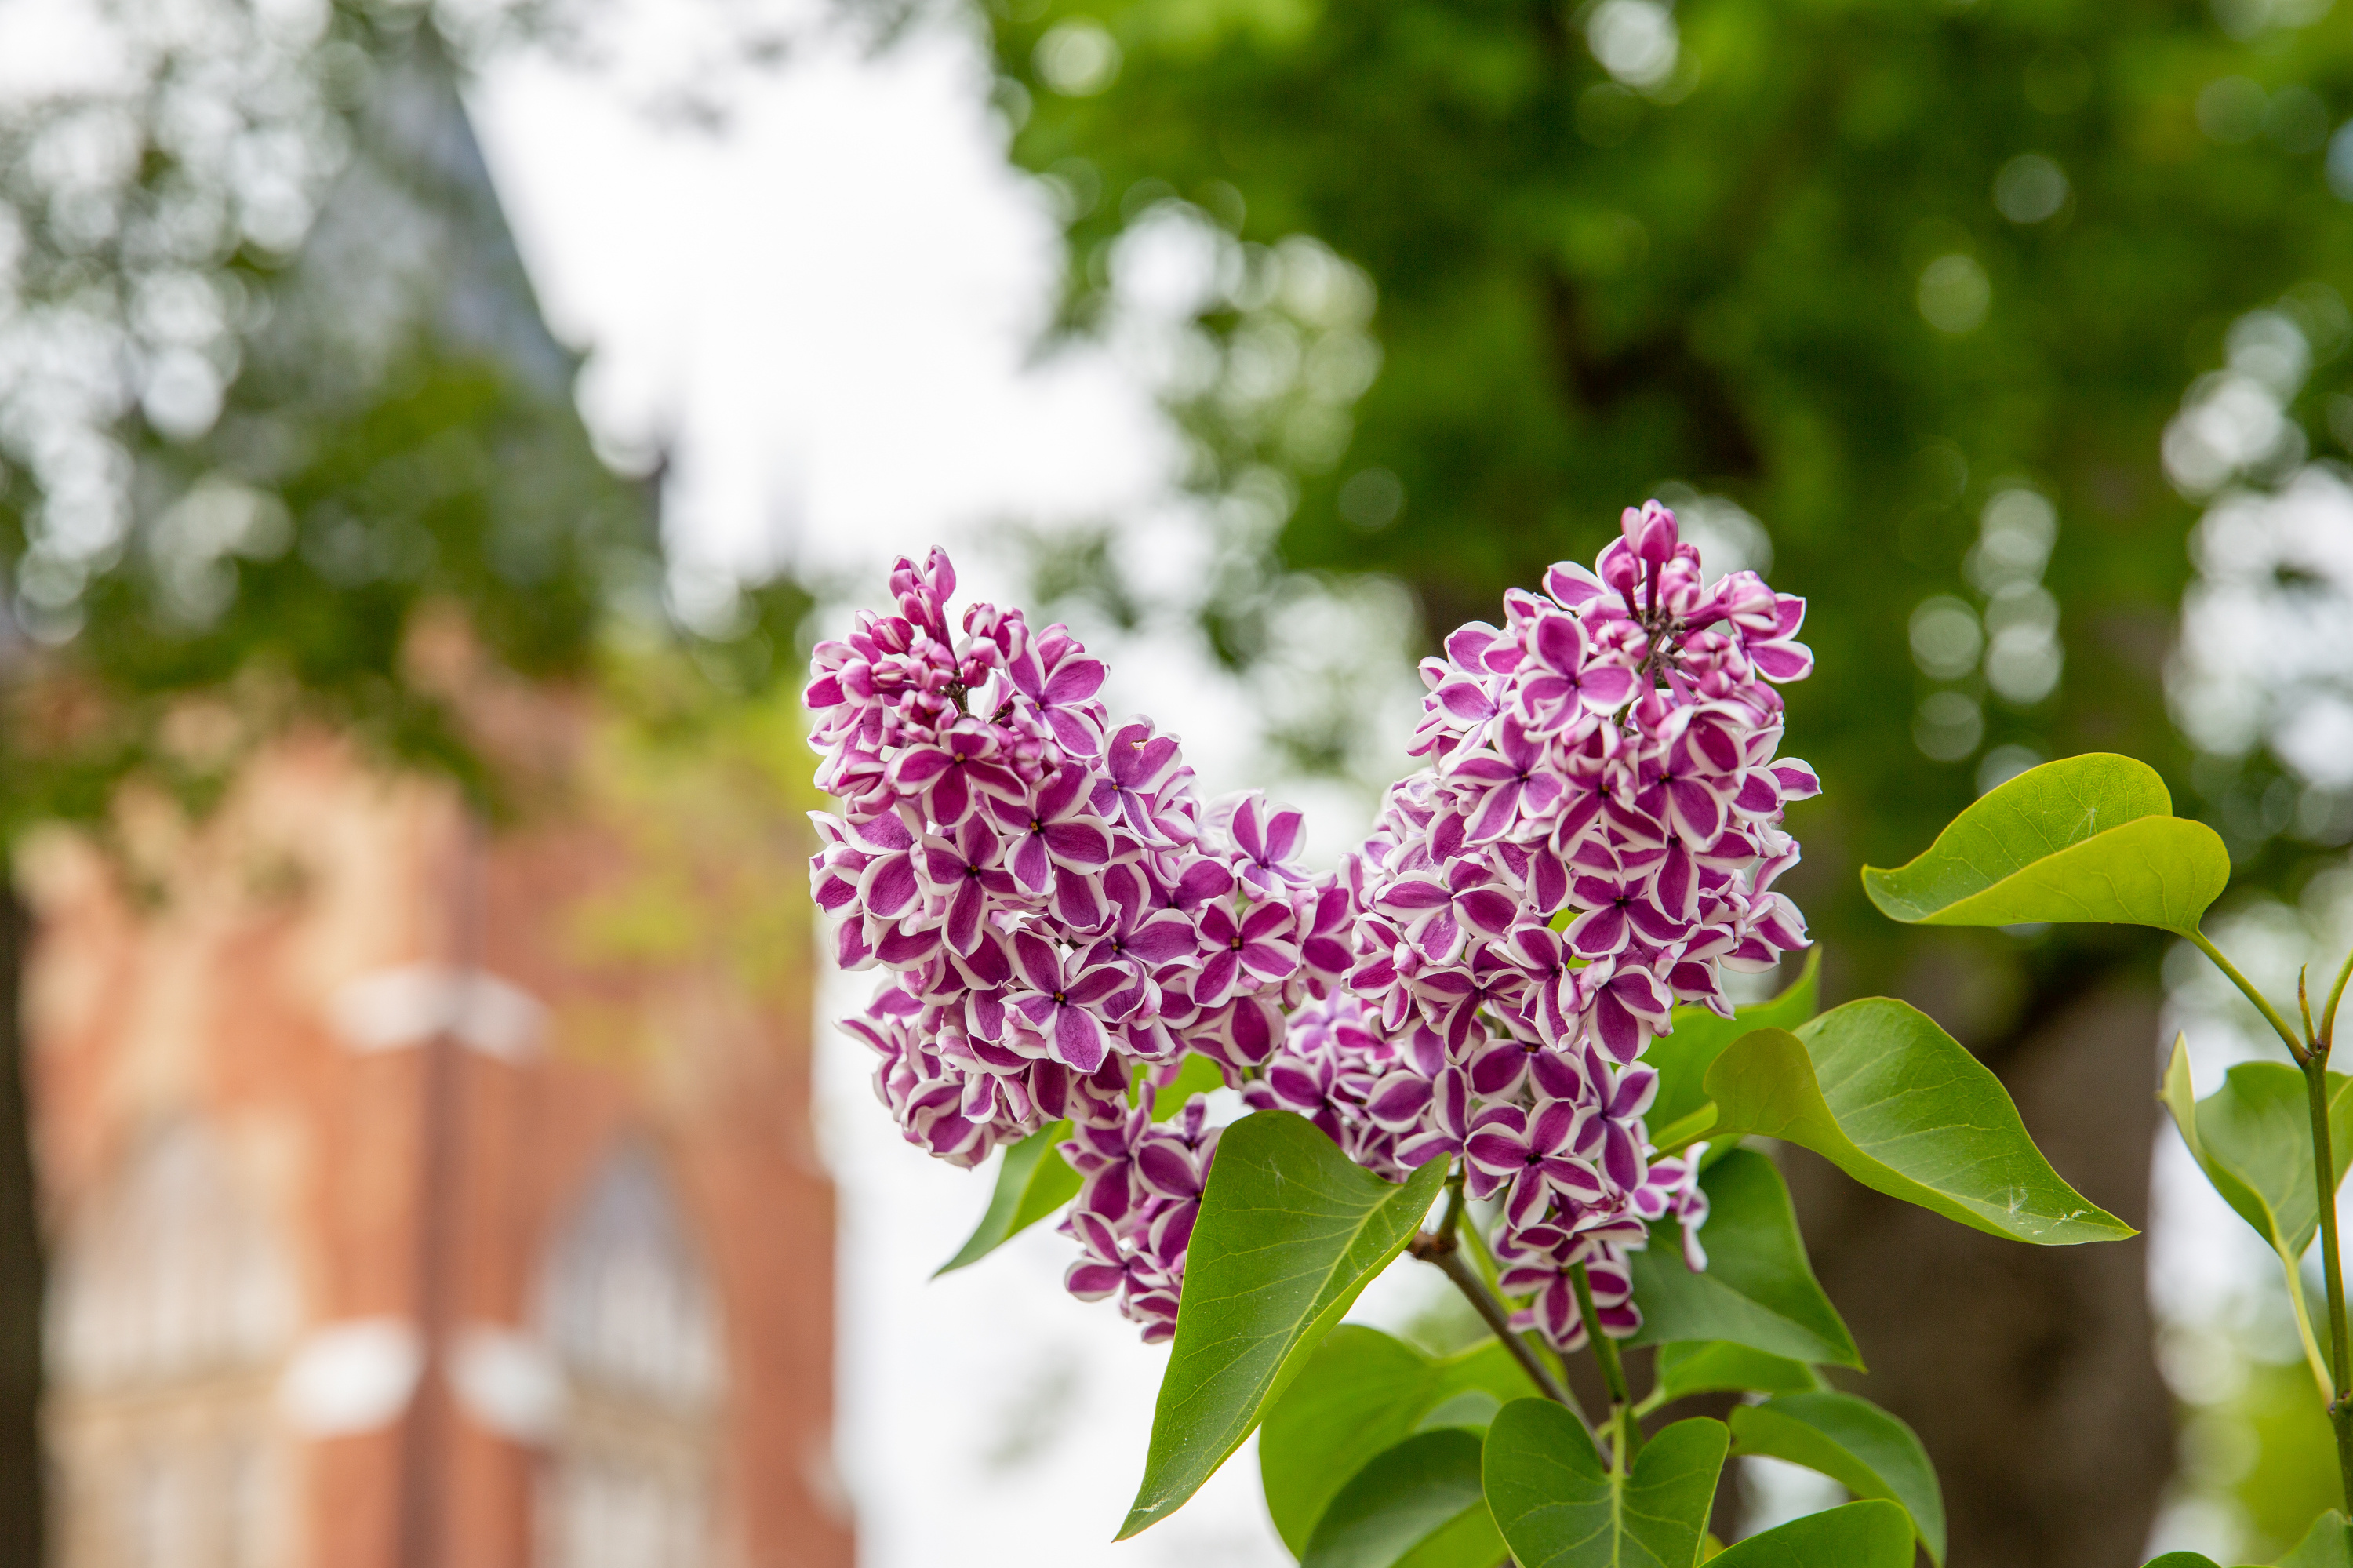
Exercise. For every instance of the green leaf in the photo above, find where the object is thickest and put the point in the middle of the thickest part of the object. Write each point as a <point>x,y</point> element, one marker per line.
<point>1687,1367</point>
<point>1401,1501</point>
<point>1471,1542</point>
<point>1683,1057</point>
<point>1470,1410</point>
<point>1033,1180</point>
<point>1560,1506</point>
<point>1881,1093</point>
<point>1874,1534</point>
<point>1290,1233</point>
<point>1758,1291</point>
<point>2083,840</point>
<point>1363,1392</point>
<point>2328,1544</point>
<point>1855,1444</point>
<point>2253,1138</point>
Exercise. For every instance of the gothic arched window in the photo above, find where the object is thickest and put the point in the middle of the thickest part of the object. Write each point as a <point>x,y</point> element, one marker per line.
<point>171,1313</point>
<point>630,1317</point>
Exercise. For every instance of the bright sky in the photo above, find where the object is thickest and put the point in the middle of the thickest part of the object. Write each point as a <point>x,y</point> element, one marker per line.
<point>832,302</point>
<point>833,308</point>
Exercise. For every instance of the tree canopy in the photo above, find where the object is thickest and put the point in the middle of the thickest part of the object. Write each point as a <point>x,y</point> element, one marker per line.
<point>1910,283</point>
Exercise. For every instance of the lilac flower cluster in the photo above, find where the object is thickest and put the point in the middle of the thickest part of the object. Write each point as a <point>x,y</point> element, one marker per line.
<point>1594,842</point>
<point>1058,911</point>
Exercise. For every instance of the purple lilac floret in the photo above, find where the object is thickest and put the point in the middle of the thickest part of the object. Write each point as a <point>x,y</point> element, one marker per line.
<point>1593,842</point>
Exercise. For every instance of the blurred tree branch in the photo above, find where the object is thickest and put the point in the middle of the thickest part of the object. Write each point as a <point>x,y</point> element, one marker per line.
<point>275,397</point>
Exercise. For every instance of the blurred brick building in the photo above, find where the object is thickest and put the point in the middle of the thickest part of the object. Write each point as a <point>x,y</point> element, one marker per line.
<point>423,1195</point>
<point>427,1195</point>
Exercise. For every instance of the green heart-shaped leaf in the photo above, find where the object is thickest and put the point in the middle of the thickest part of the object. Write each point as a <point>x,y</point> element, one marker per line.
<point>1291,1233</point>
<point>1855,1444</point>
<point>1872,1534</point>
<point>1361,1392</point>
<point>1471,1542</point>
<point>1409,1499</point>
<point>2328,1544</point>
<point>2086,840</point>
<point>2253,1138</point>
<point>1687,1367</point>
<point>1881,1093</point>
<point>1033,1180</point>
<point>1683,1057</point>
<point>1560,1506</point>
<point>1757,1290</point>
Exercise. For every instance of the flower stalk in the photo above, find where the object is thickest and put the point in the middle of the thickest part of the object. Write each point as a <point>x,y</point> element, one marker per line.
<point>1613,1375</point>
<point>1441,1250</point>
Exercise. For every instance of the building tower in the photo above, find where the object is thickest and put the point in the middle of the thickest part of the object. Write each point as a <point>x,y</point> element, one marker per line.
<point>427,1195</point>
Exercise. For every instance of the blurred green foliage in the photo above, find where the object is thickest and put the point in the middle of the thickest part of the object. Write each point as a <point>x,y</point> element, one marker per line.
<point>275,394</point>
<point>2294,1479</point>
<point>1856,268</point>
<point>277,412</point>
<point>456,487</point>
<point>2257,1449</point>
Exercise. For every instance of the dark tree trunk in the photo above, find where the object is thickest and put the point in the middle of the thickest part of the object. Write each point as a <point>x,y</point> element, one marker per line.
<point>22,1481</point>
<point>2028,1372</point>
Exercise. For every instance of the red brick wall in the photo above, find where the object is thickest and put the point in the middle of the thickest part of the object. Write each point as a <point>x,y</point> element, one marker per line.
<point>649,903</point>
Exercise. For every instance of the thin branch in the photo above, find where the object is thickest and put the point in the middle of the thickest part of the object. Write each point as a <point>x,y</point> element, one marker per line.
<point>1450,1263</point>
<point>2324,1177</point>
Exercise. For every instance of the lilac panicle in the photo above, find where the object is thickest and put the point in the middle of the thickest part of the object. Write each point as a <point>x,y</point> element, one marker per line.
<point>1054,910</point>
<point>1592,841</point>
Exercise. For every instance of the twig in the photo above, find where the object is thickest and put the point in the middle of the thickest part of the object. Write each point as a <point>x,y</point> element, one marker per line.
<point>2332,1268</point>
<point>1450,1261</point>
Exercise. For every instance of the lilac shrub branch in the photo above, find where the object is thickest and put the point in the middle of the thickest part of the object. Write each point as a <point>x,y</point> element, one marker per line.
<point>1440,1249</point>
<point>2311,1051</point>
<point>2332,1268</point>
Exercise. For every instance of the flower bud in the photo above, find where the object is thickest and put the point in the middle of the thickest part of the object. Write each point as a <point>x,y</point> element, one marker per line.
<point>1621,568</point>
<point>1679,589</point>
<point>1649,532</point>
